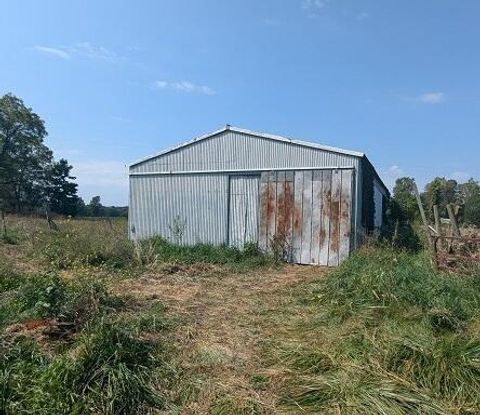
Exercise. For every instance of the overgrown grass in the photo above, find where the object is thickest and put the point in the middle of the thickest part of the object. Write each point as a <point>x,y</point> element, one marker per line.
<point>158,250</point>
<point>396,338</point>
<point>63,350</point>
<point>83,243</point>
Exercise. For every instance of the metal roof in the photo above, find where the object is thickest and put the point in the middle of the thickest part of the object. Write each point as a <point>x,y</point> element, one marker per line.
<point>254,134</point>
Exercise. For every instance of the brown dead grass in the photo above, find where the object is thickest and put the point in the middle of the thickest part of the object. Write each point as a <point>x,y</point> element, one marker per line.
<point>226,321</point>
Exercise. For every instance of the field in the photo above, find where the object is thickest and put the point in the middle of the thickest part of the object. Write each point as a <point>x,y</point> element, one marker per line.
<point>91,323</point>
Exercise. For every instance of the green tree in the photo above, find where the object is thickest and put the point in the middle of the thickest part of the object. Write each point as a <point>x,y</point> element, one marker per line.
<point>440,192</point>
<point>405,204</point>
<point>470,196</point>
<point>61,191</point>
<point>24,158</point>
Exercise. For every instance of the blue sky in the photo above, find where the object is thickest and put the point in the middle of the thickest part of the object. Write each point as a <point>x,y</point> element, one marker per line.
<point>118,80</point>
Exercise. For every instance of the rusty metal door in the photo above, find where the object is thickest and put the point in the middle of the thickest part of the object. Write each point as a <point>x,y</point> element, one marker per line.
<point>307,214</point>
<point>243,210</point>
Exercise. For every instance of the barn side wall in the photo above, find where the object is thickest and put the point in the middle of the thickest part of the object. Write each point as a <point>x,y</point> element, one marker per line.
<point>185,209</point>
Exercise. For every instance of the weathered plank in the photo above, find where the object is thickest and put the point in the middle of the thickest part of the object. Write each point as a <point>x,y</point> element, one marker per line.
<point>316,216</point>
<point>289,204</point>
<point>333,253</point>
<point>297,217</point>
<point>305,256</point>
<point>280,206</point>
<point>345,214</point>
<point>324,238</point>
<point>271,207</point>
<point>262,229</point>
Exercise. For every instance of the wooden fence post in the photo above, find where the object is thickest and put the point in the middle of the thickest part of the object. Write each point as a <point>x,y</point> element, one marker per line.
<point>453,220</point>
<point>436,214</point>
<point>422,214</point>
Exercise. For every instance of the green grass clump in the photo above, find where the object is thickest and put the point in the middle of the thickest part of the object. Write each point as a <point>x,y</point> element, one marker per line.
<point>160,250</point>
<point>108,370</point>
<point>398,337</point>
<point>80,244</point>
<point>101,364</point>
<point>398,281</point>
<point>47,296</point>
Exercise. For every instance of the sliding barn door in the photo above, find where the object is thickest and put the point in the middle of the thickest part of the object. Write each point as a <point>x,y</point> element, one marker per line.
<point>307,215</point>
<point>243,210</point>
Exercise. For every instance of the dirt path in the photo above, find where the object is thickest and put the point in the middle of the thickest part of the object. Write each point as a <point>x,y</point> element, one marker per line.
<point>226,322</point>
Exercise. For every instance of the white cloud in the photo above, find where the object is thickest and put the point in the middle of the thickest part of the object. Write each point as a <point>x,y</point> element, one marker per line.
<point>432,98</point>
<point>461,176</point>
<point>81,50</point>
<point>185,86</point>
<point>101,173</point>
<point>314,5</point>
<point>57,52</point>
<point>90,51</point>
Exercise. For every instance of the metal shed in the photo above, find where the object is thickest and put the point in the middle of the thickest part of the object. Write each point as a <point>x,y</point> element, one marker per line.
<point>236,186</point>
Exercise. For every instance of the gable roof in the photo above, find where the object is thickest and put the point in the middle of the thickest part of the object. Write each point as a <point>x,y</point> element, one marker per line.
<point>254,134</point>
<point>267,136</point>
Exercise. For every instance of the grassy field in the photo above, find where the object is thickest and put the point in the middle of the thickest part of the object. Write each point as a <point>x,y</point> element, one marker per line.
<point>91,323</point>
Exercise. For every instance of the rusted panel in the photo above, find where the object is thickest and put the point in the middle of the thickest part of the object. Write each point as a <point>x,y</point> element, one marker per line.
<point>333,254</point>
<point>305,257</point>
<point>316,216</point>
<point>297,217</point>
<point>289,208</point>
<point>280,207</point>
<point>271,207</point>
<point>345,214</point>
<point>325,217</point>
<point>264,197</point>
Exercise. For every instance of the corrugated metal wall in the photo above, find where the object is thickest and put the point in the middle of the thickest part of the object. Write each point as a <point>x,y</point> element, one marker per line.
<point>243,210</point>
<point>232,150</point>
<point>185,209</point>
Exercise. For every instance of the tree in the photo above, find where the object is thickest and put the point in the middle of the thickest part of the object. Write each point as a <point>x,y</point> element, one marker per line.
<point>470,196</point>
<point>440,192</point>
<point>95,207</point>
<point>24,157</point>
<point>61,192</point>
<point>405,206</point>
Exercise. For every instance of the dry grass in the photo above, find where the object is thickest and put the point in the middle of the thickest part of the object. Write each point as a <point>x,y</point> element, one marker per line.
<point>226,322</point>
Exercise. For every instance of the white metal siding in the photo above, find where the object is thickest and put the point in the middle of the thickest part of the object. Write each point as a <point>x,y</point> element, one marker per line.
<point>195,205</point>
<point>243,210</point>
<point>231,150</point>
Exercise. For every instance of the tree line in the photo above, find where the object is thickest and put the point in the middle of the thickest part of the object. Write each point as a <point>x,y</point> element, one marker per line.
<point>440,192</point>
<point>31,180</point>
<point>403,214</point>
